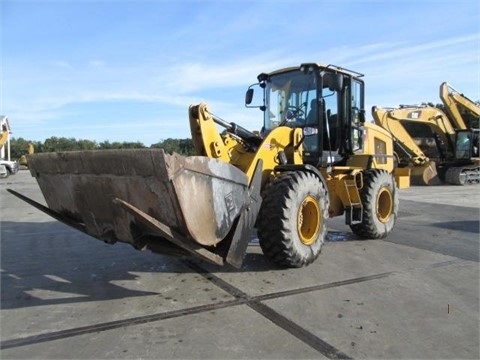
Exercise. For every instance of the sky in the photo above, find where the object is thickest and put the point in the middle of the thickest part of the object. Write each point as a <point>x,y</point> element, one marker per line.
<point>127,70</point>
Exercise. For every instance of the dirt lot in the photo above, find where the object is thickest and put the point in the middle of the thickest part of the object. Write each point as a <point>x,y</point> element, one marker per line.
<point>413,295</point>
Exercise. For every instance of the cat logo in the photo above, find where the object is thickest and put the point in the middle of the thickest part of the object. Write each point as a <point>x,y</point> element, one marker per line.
<point>414,115</point>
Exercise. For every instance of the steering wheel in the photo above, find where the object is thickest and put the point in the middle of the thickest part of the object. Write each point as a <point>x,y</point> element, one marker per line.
<point>293,113</point>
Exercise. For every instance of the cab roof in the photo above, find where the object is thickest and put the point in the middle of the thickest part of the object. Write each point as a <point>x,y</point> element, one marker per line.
<point>330,67</point>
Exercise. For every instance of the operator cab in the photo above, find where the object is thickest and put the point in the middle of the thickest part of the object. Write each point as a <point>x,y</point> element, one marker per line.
<point>327,102</point>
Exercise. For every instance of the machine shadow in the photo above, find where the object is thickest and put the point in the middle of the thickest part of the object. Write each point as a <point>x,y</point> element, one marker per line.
<point>472,226</point>
<point>47,263</point>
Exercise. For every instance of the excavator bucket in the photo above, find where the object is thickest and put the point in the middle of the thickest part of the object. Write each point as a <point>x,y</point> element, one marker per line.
<point>152,200</point>
<point>425,174</point>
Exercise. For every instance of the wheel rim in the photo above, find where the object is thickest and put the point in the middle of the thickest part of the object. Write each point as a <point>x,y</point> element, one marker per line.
<point>384,205</point>
<point>309,220</point>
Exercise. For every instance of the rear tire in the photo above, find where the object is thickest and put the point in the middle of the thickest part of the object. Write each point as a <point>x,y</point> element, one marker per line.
<point>292,220</point>
<point>380,205</point>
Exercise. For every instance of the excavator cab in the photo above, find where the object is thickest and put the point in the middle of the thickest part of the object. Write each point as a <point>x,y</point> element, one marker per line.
<point>463,144</point>
<point>327,104</point>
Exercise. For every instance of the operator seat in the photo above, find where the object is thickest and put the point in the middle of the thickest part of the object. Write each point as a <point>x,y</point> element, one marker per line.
<point>310,142</point>
<point>333,126</point>
<point>311,118</point>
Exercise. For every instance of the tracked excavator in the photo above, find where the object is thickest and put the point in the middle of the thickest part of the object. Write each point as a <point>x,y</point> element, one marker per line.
<point>314,158</point>
<point>437,146</point>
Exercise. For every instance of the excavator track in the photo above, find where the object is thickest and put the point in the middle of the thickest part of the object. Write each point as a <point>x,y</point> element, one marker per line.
<point>463,175</point>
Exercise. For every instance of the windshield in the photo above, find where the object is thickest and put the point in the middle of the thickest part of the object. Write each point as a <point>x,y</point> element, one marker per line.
<point>463,144</point>
<point>291,100</point>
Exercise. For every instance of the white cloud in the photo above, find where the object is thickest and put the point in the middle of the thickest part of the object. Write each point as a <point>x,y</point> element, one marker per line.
<point>212,55</point>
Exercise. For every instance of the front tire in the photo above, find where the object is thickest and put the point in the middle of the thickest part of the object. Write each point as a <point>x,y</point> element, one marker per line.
<point>292,220</point>
<point>380,205</point>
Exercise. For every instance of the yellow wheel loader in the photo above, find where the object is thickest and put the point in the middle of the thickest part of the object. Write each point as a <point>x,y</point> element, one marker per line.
<point>314,158</point>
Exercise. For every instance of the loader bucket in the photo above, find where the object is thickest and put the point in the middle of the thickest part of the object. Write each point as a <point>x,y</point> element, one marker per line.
<point>145,197</point>
<point>425,174</point>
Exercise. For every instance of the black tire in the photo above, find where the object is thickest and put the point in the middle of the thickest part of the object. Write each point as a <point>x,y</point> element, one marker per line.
<point>380,205</point>
<point>292,220</point>
<point>5,174</point>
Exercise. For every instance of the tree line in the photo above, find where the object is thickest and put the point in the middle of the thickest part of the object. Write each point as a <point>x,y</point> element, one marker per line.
<point>19,146</point>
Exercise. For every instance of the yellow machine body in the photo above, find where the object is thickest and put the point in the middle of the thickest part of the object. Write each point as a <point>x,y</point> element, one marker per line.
<point>314,158</point>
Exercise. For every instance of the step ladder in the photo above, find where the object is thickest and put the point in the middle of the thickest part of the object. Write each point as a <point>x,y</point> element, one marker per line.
<point>354,208</point>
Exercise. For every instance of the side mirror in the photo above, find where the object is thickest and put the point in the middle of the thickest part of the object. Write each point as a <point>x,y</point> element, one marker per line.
<point>334,81</point>
<point>249,96</point>
<point>337,82</point>
<point>361,116</point>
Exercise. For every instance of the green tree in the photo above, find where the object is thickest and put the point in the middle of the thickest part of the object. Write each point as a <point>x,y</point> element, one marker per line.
<point>180,146</point>
<point>105,145</point>
<point>83,144</point>
<point>54,144</point>
<point>130,145</point>
<point>19,147</point>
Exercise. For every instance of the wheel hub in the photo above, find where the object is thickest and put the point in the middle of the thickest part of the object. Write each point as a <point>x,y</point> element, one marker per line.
<point>384,205</point>
<point>309,220</point>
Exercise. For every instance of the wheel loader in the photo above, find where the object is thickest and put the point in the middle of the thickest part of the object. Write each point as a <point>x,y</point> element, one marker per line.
<point>314,158</point>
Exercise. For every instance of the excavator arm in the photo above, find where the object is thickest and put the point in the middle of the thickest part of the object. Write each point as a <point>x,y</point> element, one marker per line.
<point>454,101</point>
